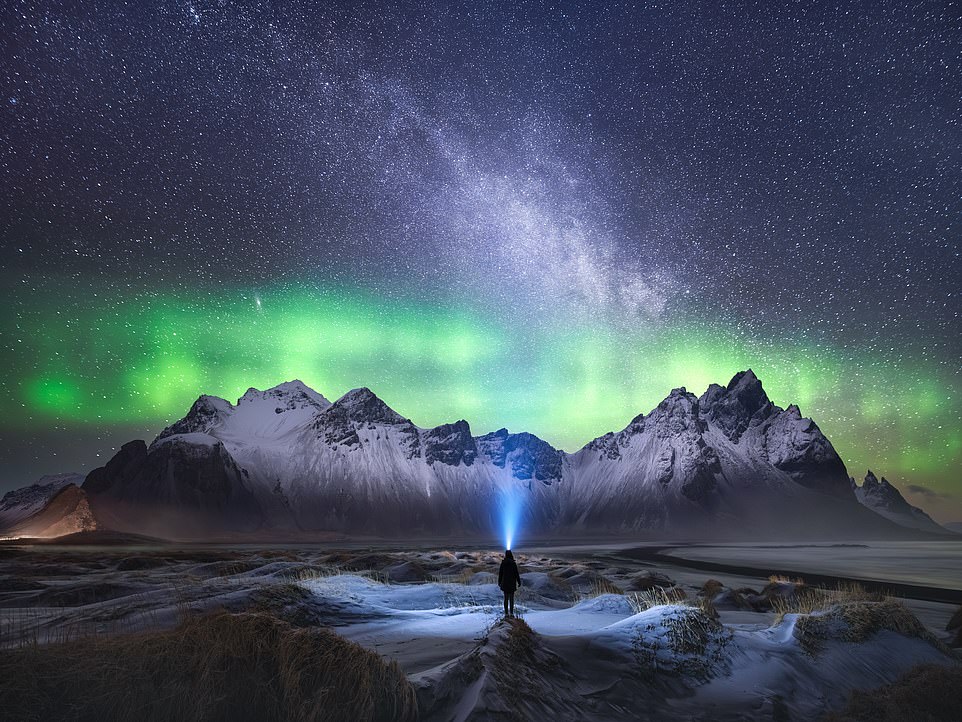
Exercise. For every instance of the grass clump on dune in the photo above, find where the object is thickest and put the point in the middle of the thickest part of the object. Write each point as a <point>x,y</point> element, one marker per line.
<point>216,667</point>
<point>805,599</point>
<point>657,596</point>
<point>683,641</point>
<point>857,621</point>
<point>532,683</point>
<point>603,585</point>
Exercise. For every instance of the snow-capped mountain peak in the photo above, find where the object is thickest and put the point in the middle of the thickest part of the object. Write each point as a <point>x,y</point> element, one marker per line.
<point>258,417</point>
<point>676,414</point>
<point>206,413</point>
<point>289,395</point>
<point>355,420</point>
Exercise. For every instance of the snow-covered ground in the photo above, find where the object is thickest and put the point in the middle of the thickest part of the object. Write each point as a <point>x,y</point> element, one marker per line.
<point>699,666</point>
<point>598,634</point>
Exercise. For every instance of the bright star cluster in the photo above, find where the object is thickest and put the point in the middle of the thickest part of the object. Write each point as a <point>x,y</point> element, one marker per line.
<point>537,215</point>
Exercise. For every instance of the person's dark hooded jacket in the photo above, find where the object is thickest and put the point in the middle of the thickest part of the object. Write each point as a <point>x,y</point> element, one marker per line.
<point>509,578</point>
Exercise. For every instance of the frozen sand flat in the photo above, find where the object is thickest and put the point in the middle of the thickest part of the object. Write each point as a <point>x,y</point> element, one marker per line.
<point>924,563</point>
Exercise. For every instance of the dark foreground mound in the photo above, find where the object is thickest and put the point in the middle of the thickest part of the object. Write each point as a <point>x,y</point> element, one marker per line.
<point>929,692</point>
<point>219,667</point>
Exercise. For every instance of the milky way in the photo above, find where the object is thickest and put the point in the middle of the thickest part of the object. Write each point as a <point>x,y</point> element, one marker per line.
<point>533,215</point>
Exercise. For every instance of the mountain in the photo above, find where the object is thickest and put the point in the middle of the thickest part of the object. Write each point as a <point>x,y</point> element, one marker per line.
<point>53,507</point>
<point>287,462</point>
<point>954,526</point>
<point>20,504</point>
<point>727,463</point>
<point>286,459</point>
<point>884,499</point>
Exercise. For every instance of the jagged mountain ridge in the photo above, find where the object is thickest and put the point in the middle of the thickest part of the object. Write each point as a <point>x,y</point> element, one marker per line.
<point>287,460</point>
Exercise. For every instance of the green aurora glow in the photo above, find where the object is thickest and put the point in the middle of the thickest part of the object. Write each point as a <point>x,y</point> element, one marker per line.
<point>79,358</point>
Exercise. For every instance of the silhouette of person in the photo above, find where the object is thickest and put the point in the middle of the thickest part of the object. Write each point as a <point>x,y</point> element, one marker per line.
<point>509,579</point>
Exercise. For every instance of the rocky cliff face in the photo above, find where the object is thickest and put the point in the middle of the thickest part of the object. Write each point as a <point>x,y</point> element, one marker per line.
<point>191,476</point>
<point>789,442</point>
<point>450,444</point>
<point>287,459</point>
<point>737,407</point>
<point>525,455</point>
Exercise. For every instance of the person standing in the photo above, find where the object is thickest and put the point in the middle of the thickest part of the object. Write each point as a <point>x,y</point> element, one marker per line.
<point>509,579</point>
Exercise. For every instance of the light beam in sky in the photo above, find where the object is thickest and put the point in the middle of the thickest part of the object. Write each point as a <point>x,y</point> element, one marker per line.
<point>510,513</point>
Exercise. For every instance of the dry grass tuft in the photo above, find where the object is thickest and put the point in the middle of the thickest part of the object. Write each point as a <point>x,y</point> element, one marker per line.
<point>707,606</point>
<point>856,621</point>
<point>711,587</point>
<point>866,618</point>
<point>462,577</point>
<point>805,599</point>
<point>316,571</point>
<point>690,632</point>
<point>656,597</point>
<point>694,643</point>
<point>216,667</point>
<point>602,585</point>
<point>782,579</point>
<point>520,644</point>
<point>525,674</point>
<point>928,692</point>
<point>284,601</point>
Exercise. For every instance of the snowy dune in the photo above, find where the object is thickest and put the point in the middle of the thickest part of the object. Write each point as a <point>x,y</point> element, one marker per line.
<point>697,665</point>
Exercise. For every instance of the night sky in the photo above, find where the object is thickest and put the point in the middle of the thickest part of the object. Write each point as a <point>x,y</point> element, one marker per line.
<point>540,216</point>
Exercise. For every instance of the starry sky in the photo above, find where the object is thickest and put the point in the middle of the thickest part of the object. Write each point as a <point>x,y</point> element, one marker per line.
<point>535,215</point>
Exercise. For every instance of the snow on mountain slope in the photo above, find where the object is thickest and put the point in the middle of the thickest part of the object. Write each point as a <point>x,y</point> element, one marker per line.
<point>23,503</point>
<point>360,466</point>
<point>728,460</point>
<point>654,473</point>
<point>884,499</point>
<point>288,459</point>
<point>259,417</point>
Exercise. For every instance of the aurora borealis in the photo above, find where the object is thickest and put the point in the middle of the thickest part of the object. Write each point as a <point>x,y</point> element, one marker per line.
<point>524,215</point>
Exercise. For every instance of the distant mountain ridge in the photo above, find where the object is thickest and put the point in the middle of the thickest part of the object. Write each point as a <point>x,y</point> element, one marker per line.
<point>53,506</point>
<point>287,461</point>
<point>883,498</point>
